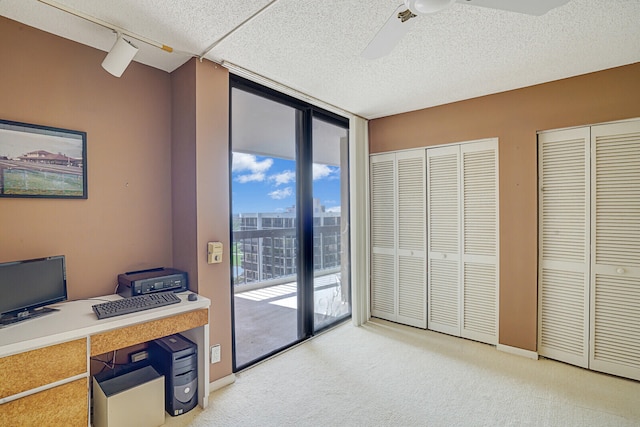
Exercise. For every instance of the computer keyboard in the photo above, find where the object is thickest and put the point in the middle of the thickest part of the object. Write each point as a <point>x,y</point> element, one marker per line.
<point>134,304</point>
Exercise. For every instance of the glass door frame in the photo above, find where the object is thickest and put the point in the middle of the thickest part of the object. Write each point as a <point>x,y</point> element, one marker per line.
<point>304,206</point>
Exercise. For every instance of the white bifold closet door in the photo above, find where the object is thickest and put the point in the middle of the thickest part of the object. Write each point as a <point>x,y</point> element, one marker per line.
<point>615,249</point>
<point>589,239</point>
<point>398,248</point>
<point>563,267</point>
<point>443,239</point>
<point>462,238</point>
<point>382,170</point>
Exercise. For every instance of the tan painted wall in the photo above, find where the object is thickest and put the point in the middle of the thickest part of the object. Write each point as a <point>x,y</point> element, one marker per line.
<point>125,224</point>
<point>157,163</point>
<point>183,166</point>
<point>201,190</point>
<point>514,117</point>
<point>127,221</point>
<point>213,204</point>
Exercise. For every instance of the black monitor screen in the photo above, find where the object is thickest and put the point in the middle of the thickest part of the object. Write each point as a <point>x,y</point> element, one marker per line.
<point>32,283</point>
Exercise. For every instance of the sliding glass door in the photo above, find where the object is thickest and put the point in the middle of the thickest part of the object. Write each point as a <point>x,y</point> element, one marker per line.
<point>289,221</point>
<point>331,286</point>
<point>263,198</point>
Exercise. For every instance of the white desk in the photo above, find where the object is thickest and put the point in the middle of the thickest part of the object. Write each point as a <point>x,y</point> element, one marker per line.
<point>45,362</point>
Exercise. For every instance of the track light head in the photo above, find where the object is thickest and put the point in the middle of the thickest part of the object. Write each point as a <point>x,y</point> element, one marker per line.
<point>119,57</point>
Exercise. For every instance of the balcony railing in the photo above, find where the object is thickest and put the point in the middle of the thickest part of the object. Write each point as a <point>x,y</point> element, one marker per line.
<point>268,256</point>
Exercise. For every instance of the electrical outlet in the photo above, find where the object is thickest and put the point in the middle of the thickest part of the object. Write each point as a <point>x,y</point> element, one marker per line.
<point>214,356</point>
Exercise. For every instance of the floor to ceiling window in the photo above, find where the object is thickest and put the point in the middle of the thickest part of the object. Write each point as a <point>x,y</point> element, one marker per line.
<point>330,223</point>
<point>289,199</point>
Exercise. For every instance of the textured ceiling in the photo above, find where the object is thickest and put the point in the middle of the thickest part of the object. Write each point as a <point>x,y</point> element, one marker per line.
<point>313,46</point>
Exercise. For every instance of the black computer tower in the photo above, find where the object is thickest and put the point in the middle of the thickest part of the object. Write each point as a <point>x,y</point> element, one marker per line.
<point>177,358</point>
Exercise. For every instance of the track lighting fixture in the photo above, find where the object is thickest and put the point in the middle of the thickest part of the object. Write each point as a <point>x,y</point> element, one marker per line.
<point>120,56</point>
<point>123,51</point>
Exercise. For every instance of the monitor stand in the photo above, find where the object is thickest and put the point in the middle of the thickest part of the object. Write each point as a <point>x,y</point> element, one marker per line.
<point>11,318</point>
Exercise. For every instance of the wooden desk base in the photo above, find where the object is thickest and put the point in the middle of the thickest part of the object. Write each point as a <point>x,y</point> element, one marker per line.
<point>44,378</point>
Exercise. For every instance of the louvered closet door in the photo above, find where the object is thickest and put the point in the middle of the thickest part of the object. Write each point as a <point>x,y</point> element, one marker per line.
<point>383,237</point>
<point>615,277</point>
<point>411,205</point>
<point>443,239</point>
<point>480,241</point>
<point>563,276</point>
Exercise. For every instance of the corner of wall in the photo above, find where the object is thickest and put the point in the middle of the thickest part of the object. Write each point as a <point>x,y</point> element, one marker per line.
<point>200,170</point>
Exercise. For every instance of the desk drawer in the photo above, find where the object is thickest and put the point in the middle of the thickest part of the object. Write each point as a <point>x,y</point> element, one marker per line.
<point>143,332</point>
<point>35,368</point>
<point>65,405</point>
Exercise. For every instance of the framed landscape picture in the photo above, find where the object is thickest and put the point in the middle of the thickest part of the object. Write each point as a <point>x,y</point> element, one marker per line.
<point>42,161</point>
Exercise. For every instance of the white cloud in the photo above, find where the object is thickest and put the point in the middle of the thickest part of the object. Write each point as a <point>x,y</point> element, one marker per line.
<point>283,177</point>
<point>243,179</point>
<point>249,163</point>
<point>281,194</point>
<point>322,171</point>
<point>333,209</point>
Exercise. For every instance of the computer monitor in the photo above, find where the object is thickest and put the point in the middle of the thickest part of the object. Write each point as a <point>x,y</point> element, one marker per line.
<point>27,286</point>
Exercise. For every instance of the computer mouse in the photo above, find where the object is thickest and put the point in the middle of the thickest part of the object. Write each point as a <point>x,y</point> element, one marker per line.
<point>192,297</point>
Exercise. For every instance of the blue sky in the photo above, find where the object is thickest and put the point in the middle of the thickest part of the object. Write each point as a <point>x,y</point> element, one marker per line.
<point>267,184</point>
<point>14,143</point>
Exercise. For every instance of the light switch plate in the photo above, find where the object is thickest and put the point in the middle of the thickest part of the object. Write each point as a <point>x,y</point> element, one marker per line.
<point>214,252</point>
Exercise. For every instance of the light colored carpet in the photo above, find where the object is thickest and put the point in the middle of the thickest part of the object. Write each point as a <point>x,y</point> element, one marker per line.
<point>383,374</point>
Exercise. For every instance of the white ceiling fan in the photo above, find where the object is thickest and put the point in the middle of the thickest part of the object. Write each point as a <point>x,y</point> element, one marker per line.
<point>402,19</point>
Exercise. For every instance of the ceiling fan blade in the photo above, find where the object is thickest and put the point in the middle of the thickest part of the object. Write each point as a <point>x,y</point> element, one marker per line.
<point>388,36</point>
<point>528,7</point>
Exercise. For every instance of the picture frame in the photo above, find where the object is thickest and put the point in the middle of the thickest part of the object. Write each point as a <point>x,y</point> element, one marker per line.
<point>42,161</point>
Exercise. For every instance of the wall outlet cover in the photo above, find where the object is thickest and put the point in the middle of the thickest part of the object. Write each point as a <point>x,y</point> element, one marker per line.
<point>214,354</point>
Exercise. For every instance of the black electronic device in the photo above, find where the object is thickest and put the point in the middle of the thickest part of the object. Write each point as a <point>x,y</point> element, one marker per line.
<point>176,358</point>
<point>134,304</point>
<point>149,281</point>
<point>27,286</point>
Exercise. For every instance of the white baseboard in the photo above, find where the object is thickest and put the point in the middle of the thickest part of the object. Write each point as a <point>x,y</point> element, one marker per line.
<point>518,351</point>
<point>222,382</point>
